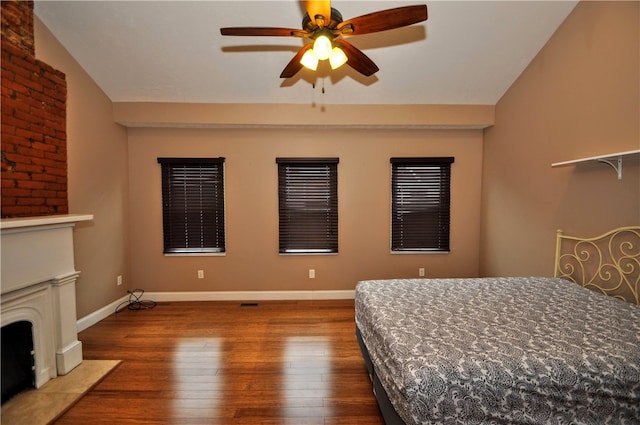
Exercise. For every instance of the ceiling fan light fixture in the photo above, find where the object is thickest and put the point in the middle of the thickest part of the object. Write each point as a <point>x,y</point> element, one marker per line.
<point>323,25</point>
<point>322,47</point>
<point>337,58</point>
<point>309,60</point>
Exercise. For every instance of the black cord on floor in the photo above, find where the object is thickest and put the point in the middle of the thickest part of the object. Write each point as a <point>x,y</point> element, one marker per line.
<point>135,303</point>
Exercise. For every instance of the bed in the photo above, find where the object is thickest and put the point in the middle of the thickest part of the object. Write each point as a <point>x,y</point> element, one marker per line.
<point>515,350</point>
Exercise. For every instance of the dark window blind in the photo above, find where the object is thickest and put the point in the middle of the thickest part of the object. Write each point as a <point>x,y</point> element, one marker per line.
<point>420,204</point>
<point>193,204</point>
<point>308,205</point>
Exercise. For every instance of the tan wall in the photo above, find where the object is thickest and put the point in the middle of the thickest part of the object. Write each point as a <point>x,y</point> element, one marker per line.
<point>578,98</point>
<point>252,262</point>
<point>151,114</point>
<point>97,180</point>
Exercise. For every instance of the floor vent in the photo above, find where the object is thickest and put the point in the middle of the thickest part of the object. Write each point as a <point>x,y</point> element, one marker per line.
<point>248,304</point>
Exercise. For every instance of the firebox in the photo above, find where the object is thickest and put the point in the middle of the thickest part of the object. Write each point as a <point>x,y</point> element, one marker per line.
<point>18,361</point>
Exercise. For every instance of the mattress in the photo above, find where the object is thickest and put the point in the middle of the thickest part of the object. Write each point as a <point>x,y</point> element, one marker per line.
<point>502,350</point>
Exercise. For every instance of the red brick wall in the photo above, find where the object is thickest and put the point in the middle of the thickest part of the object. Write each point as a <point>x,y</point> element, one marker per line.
<point>33,113</point>
<point>17,24</point>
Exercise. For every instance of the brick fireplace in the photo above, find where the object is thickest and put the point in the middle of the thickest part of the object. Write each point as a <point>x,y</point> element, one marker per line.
<point>38,276</point>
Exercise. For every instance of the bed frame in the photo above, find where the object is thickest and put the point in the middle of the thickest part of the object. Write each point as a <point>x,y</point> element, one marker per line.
<point>609,263</point>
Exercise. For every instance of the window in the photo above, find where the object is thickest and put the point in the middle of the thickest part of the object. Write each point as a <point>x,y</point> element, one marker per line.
<point>193,205</point>
<point>420,202</point>
<point>308,205</point>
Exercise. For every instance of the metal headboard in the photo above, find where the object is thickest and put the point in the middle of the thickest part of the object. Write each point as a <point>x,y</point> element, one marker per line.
<point>609,263</point>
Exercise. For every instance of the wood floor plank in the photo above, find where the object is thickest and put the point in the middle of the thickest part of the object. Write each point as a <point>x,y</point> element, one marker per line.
<point>191,363</point>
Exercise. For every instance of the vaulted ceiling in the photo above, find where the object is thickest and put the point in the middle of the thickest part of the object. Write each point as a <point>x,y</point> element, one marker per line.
<point>467,52</point>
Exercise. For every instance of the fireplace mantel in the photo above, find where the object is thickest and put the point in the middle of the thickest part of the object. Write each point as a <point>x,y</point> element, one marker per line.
<point>37,284</point>
<point>21,222</point>
<point>35,249</point>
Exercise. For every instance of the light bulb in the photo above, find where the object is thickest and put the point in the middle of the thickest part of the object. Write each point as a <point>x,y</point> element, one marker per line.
<point>309,60</point>
<point>337,58</point>
<point>322,47</point>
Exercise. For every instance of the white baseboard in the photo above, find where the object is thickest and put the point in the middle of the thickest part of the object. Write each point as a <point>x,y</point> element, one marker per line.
<point>93,318</point>
<point>106,311</point>
<point>249,295</point>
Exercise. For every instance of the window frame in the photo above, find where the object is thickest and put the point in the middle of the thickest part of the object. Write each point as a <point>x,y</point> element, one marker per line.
<point>434,241</point>
<point>323,237</point>
<point>174,242</point>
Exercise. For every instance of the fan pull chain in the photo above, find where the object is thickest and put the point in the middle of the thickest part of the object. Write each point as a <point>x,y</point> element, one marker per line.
<point>313,85</point>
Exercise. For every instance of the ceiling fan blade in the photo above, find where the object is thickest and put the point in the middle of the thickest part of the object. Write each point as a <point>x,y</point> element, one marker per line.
<point>319,8</point>
<point>262,31</point>
<point>294,65</point>
<point>356,59</point>
<point>384,20</point>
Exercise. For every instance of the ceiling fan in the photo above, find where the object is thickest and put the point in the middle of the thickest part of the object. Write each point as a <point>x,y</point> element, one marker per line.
<point>323,25</point>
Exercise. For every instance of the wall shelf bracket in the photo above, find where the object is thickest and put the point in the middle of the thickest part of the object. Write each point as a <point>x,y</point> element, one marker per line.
<point>616,164</point>
<point>614,160</point>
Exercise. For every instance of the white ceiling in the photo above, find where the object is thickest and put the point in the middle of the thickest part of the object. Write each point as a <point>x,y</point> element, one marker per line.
<point>467,52</point>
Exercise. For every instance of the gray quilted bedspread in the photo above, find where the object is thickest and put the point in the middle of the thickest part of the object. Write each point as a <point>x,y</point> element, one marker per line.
<point>502,351</point>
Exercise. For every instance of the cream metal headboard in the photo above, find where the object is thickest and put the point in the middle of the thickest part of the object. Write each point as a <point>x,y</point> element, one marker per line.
<point>609,263</point>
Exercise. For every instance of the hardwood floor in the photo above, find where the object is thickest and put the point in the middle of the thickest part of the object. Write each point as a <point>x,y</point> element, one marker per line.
<point>290,362</point>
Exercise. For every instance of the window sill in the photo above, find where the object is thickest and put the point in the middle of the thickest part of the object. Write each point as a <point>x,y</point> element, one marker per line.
<point>297,254</point>
<point>195,254</point>
<point>418,252</point>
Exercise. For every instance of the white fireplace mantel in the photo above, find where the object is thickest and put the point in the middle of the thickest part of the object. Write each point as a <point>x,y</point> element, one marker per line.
<point>37,248</point>
<point>37,284</point>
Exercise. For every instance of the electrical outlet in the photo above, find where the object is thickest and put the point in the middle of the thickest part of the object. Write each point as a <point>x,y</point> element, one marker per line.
<point>200,274</point>
<point>119,280</point>
<point>312,273</point>
<point>421,272</point>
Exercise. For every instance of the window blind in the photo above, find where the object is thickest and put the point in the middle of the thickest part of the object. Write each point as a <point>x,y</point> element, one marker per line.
<point>308,205</point>
<point>193,204</point>
<point>420,203</point>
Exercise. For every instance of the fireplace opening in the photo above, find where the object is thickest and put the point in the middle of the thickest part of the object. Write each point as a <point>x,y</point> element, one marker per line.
<point>18,364</point>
